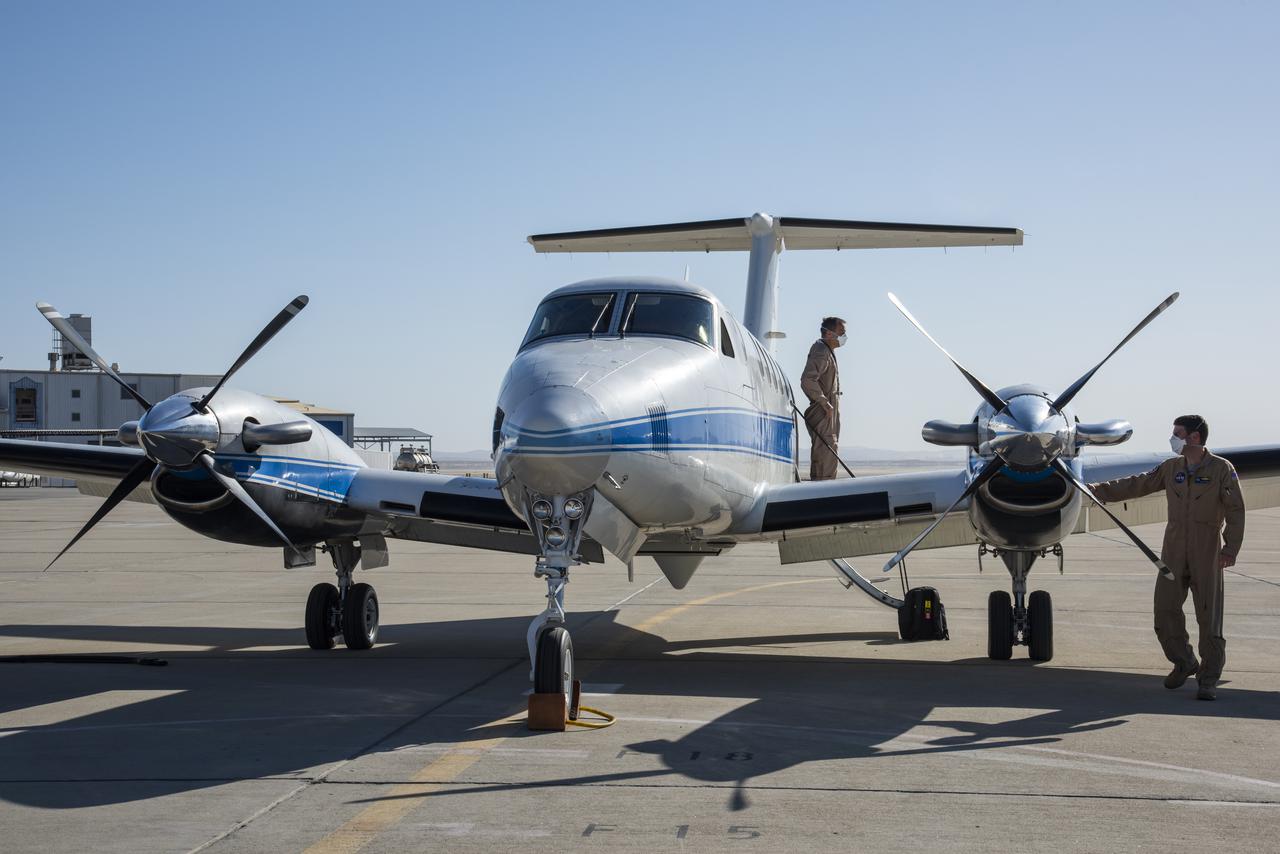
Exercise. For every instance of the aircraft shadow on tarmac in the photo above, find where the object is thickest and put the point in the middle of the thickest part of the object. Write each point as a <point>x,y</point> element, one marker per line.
<point>238,711</point>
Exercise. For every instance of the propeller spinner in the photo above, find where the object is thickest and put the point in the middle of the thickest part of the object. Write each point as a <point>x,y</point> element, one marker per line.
<point>179,432</point>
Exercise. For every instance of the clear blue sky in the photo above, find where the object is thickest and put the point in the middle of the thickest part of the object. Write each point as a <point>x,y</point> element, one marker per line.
<point>180,171</point>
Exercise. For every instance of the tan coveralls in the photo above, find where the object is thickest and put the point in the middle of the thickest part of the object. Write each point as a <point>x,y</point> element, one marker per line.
<point>820,382</point>
<point>1199,503</point>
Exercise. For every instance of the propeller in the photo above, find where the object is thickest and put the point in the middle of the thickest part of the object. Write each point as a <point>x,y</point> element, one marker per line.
<point>69,332</point>
<point>1060,466</point>
<point>289,312</point>
<point>1072,390</point>
<point>979,386</point>
<point>135,478</point>
<point>1029,433</point>
<point>178,433</point>
<point>990,470</point>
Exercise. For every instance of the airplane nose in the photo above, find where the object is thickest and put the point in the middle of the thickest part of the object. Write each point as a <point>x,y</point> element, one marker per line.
<point>174,432</point>
<point>557,441</point>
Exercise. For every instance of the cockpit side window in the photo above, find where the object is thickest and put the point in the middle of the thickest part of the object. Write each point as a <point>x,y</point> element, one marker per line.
<point>572,314</point>
<point>726,346</point>
<point>678,315</point>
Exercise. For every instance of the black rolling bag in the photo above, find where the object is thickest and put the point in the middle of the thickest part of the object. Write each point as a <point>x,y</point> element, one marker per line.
<point>922,616</point>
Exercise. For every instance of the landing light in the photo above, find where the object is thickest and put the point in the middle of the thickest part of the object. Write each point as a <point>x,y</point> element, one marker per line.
<point>542,510</point>
<point>573,508</point>
<point>555,537</point>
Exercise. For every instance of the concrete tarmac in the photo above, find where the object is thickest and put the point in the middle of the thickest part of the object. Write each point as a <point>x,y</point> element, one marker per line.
<point>763,708</point>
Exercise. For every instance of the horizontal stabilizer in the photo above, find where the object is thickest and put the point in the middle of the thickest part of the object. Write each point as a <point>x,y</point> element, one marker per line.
<point>725,235</point>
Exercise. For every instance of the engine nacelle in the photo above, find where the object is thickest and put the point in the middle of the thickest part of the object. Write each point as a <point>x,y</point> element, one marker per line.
<point>950,434</point>
<point>1104,432</point>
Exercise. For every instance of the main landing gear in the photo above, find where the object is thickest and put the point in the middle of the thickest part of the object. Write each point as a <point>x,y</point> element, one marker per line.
<point>1022,620</point>
<point>349,610</point>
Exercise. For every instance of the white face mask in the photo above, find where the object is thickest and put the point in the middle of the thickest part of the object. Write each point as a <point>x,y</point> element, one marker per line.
<point>842,339</point>
<point>1177,444</point>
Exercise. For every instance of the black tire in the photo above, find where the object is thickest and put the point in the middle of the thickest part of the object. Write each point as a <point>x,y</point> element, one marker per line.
<point>360,617</point>
<point>999,626</point>
<point>904,622</point>
<point>1040,616</point>
<point>322,603</point>
<point>554,671</point>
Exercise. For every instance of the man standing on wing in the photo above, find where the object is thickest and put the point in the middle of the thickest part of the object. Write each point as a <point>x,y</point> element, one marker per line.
<point>820,382</point>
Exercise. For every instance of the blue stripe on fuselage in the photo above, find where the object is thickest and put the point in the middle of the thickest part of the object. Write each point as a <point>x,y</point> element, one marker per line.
<point>719,429</point>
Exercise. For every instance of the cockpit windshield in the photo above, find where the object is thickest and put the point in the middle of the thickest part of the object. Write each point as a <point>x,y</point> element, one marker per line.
<point>573,314</point>
<point>679,315</point>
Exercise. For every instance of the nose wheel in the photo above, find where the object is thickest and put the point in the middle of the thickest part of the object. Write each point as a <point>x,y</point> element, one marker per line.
<point>553,670</point>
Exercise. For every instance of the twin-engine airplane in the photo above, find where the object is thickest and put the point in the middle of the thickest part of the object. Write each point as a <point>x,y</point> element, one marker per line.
<point>641,417</point>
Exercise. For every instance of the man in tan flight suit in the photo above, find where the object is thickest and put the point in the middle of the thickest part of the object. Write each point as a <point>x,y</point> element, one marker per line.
<point>1203,492</point>
<point>820,382</point>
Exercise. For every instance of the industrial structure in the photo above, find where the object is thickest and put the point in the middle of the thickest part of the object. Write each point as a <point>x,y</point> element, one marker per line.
<point>71,400</point>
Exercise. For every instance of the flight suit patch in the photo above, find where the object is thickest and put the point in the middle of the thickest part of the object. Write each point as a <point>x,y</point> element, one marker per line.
<point>1204,480</point>
<point>1180,477</point>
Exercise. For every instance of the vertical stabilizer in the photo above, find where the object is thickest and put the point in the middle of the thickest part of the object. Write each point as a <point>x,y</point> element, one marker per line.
<point>761,315</point>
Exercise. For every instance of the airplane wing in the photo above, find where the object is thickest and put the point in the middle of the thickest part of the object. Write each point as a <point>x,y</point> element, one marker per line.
<point>436,508</point>
<point>847,517</point>
<point>96,469</point>
<point>1257,465</point>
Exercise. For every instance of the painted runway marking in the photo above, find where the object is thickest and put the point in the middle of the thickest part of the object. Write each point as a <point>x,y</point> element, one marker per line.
<point>982,749</point>
<point>364,827</point>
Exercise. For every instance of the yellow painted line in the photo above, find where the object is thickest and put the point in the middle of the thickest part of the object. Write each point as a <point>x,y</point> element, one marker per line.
<point>674,611</point>
<point>376,818</point>
<point>677,610</point>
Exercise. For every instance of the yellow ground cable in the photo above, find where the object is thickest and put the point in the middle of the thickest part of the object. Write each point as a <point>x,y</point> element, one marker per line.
<point>606,719</point>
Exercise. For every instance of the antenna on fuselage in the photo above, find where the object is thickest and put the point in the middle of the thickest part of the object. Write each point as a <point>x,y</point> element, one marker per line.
<point>765,237</point>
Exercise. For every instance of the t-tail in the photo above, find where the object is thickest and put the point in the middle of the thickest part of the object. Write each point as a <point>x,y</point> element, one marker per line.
<point>765,237</point>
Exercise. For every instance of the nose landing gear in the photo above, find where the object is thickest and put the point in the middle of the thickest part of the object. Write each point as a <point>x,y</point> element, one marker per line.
<point>558,522</point>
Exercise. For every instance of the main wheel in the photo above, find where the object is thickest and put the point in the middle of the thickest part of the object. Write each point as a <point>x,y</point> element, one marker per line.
<point>360,617</point>
<point>553,672</point>
<point>322,611</point>
<point>999,625</point>
<point>1040,616</point>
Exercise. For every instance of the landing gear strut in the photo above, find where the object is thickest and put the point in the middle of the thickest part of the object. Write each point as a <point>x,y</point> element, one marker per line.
<point>1018,620</point>
<point>350,610</point>
<point>558,522</point>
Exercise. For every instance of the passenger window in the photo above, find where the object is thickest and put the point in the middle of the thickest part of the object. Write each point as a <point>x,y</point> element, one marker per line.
<point>668,314</point>
<point>726,346</point>
<point>573,314</point>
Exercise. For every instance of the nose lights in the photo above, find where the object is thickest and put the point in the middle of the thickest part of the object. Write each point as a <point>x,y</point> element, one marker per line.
<point>175,433</point>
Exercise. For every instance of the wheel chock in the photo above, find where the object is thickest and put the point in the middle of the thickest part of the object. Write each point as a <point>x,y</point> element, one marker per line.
<point>547,712</point>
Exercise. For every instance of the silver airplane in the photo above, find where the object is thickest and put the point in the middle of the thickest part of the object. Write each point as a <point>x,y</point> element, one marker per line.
<point>639,416</point>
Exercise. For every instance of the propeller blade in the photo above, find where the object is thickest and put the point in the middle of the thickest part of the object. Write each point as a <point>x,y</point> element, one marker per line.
<point>989,471</point>
<point>987,394</point>
<point>67,331</point>
<point>1065,470</point>
<point>136,476</point>
<point>289,312</point>
<point>233,486</point>
<point>1074,388</point>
